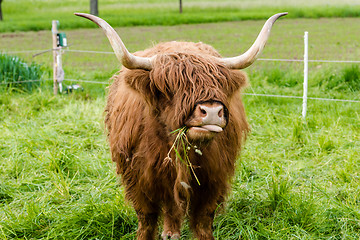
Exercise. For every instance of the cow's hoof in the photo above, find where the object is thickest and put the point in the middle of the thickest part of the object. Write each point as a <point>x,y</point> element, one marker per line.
<point>170,235</point>
<point>175,236</point>
<point>166,235</point>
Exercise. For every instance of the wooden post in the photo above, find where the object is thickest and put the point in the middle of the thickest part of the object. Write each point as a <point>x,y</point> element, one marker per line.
<point>55,49</point>
<point>1,16</point>
<point>180,6</point>
<point>94,9</point>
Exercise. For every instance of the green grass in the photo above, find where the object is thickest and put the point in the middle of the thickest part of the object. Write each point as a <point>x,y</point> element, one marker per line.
<point>297,180</point>
<point>345,80</point>
<point>54,153</point>
<point>294,180</point>
<point>161,12</point>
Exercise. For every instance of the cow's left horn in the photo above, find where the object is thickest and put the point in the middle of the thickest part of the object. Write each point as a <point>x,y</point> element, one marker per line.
<point>250,55</point>
<point>126,59</point>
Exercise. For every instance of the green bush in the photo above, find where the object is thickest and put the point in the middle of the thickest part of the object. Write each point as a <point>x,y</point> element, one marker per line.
<point>346,79</point>
<point>15,73</point>
<point>278,77</point>
<point>283,78</point>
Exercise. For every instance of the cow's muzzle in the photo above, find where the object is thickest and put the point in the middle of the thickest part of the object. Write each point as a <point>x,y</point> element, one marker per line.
<point>207,119</point>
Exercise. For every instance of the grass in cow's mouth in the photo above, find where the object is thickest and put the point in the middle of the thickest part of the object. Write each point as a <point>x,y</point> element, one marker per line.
<point>181,142</point>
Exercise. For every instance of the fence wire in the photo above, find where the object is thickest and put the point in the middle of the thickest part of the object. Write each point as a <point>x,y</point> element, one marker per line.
<point>25,81</point>
<point>248,94</point>
<point>302,60</point>
<point>259,59</point>
<point>300,97</point>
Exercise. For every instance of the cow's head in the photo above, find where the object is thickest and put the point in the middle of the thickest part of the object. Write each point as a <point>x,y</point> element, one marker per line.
<point>187,88</point>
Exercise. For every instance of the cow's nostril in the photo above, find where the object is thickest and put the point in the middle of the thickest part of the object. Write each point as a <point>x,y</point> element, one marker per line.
<point>203,111</point>
<point>221,113</point>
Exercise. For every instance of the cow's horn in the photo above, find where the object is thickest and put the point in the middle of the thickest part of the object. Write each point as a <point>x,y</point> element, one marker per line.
<point>126,59</point>
<point>250,55</point>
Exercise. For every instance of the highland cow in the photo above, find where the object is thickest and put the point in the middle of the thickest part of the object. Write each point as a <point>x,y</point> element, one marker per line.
<point>175,124</point>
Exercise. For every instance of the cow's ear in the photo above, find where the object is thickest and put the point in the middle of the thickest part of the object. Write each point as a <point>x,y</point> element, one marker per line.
<point>237,81</point>
<point>137,79</point>
<point>140,81</point>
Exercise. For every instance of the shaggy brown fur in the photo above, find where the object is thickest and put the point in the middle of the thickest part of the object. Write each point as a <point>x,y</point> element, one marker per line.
<point>143,107</point>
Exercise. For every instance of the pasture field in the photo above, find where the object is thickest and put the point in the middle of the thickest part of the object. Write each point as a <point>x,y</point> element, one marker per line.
<point>23,15</point>
<point>295,179</point>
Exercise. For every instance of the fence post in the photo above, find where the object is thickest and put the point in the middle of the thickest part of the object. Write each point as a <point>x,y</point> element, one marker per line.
<point>55,50</point>
<point>306,60</point>
<point>180,6</point>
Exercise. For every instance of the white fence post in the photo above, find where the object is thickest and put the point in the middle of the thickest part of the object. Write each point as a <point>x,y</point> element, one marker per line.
<point>306,60</point>
<point>55,50</point>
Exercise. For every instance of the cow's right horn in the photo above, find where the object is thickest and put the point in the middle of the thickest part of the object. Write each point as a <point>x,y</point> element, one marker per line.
<point>247,58</point>
<point>126,59</point>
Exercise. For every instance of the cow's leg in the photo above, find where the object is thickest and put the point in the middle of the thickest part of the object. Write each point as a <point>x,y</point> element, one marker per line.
<point>201,225</point>
<point>173,217</point>
<point>148,214</point>
<point>146,208</point>
<point>202,212</point>
<point>147,226</point>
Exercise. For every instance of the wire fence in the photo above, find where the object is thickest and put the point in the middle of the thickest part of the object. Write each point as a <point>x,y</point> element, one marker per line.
<point>302,60</point>
<point>25,81</point>
<point>66,79</point>
<point>300,97</point>
<point>247,94</point>
<point>259,59</point>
